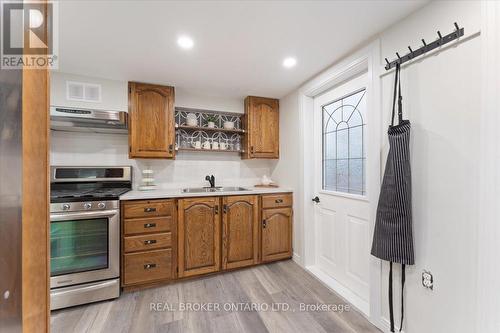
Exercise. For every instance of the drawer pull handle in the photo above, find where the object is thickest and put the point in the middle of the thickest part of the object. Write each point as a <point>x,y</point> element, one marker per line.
<point>149,209</point>
<point>278,200</point>
<point>149,225</point>
<point>264,223</point>
<point>149,266</point>
<point>150,241</point>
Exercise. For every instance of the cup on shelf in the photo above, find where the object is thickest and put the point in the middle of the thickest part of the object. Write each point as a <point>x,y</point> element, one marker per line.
<point>191,119</point>
<point>215,145</point>
<point>196,144</point>
<point>229,125</point>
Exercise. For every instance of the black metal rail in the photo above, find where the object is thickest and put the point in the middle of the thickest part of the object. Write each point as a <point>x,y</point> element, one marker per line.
<point>442,40</point>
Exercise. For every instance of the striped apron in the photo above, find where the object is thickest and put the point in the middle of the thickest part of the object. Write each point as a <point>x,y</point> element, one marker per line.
<point>392,238</point>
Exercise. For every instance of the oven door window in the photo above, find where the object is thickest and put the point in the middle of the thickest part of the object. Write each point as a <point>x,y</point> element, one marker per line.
<point>78,246</point>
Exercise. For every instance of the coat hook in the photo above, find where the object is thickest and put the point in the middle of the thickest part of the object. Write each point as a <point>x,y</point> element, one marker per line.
<point>409,48</point>
<point>398,56</point>
<point>439,34</point>
<point>423,41</point>
<point>387,61</point>
<point>456,26</point>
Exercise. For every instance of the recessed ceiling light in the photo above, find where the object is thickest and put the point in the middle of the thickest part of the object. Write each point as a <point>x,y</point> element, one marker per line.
<point>289,62</point>
<point>185,42</point>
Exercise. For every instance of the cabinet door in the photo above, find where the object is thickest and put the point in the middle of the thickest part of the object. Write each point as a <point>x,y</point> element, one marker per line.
<point>199,236</point>
<point>240,231</point>
<point>262,121</point>
<point>151,121</point>
<point>276,234</point>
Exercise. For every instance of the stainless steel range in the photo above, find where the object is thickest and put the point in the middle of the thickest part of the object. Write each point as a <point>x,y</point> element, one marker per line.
<point>85,233</point>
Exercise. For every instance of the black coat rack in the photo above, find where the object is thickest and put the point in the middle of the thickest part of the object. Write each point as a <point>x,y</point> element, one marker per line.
<point>459,32</point>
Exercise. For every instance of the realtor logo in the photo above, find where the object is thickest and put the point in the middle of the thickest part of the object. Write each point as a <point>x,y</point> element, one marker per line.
<point>28,36</point>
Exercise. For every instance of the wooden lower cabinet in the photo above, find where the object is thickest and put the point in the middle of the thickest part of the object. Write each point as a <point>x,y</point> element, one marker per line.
<point>240,231</point>
<point>149,242</point>
<point>143,267</point>
<point>276,234</point>
<point>179,238</point>
<point>199,236</point>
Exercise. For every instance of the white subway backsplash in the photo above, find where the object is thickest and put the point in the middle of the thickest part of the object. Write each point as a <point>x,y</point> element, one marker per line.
<point>187,170</point>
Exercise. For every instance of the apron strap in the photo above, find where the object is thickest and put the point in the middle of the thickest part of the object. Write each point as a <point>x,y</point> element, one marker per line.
<point>400,99</point>
<point>391,306</point>
<point>403,278</point>
<point>397,92</point>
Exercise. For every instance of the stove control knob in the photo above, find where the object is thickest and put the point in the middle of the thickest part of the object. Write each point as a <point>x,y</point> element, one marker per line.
<point>66,206</point>
<point>87,205</point>
<point>101,205</point>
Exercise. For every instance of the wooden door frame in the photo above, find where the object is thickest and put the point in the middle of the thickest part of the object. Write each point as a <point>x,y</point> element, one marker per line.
<point>35,197</point>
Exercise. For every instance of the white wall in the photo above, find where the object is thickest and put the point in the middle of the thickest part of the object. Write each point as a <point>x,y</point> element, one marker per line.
<point>188,169</point>
<point>442,98</point>
<point>114,93</point>
<point>287,169</point>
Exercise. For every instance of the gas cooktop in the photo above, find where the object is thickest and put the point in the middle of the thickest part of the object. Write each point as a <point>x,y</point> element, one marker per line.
<point>74,184</point>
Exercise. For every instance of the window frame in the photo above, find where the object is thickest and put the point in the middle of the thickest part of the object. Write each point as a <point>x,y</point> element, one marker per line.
<point>364,195</point>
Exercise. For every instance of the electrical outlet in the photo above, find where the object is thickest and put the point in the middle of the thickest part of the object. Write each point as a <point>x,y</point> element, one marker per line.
<point>427,280</point>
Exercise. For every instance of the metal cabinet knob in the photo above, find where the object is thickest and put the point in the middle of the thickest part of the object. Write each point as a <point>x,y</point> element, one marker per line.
<point>150,241</point>
<point>316,199</point>
<point>149,266</point>
<point>149,225</point>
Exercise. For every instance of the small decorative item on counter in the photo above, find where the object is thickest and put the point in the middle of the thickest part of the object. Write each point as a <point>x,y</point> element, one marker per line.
<point>266,182</point>
<point>211,119</point>
<point>147,180</point>
<point>229,125</point>
<point>192,119</point>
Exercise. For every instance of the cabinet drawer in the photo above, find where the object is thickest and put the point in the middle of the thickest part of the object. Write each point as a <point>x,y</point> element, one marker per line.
<point>147,242</point>
<point>148,208</point>
<point>147,225</point>
<point>147,266</point>
<point>276,200</point>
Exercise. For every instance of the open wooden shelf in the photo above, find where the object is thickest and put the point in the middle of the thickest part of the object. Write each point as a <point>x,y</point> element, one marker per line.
<point>210,150</point>
<point>209,129</point>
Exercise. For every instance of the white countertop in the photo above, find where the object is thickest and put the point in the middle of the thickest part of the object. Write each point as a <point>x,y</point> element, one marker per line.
<point>177,193</point>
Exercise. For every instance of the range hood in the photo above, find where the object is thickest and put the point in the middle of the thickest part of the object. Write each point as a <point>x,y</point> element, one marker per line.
<point>87,120</point>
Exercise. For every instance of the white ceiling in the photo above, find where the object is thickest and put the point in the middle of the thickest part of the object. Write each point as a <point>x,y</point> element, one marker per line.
<point>239,46</point>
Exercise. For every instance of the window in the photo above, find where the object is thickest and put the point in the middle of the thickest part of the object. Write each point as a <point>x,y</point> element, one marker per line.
<point>343,146</point>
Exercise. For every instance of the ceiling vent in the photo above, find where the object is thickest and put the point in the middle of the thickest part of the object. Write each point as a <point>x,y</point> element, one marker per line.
<point>83,92</point>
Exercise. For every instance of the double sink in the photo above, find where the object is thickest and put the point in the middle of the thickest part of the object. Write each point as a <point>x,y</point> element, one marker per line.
<point>213,189</point>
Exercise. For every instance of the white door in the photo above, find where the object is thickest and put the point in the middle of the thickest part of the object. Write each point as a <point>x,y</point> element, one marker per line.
<point>342,215</point>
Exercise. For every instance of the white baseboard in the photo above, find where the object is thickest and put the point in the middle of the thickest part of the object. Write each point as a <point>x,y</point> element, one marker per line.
<point>386,325</point>
<point>337,287</point>
<point>297,259</point>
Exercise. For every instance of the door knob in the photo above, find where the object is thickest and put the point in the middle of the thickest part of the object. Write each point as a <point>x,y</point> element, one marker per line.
<point>316,199</point>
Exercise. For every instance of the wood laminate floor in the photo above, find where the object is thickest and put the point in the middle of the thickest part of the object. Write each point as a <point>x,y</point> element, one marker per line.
<point>261,286</point>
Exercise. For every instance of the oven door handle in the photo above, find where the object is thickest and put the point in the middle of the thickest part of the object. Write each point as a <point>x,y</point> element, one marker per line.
<point>82,215</point>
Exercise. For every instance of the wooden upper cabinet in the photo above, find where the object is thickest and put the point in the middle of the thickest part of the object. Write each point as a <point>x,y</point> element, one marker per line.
<point>151,121</point>
<point>276,234</point>
<point>240,231</point>
<point>261,123</point>
<point>199,236</point>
